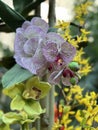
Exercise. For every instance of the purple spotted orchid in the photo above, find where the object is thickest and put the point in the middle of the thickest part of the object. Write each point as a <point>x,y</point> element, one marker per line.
<point>40,51</point>
<point>29,40</point>
<point>66,76</point>
<point>59,56</point>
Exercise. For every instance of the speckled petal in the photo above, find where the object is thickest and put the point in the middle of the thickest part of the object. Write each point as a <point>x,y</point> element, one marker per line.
<point>28,64</point>
<point>18,59</point>
<point>33,31</point>
<point>67,52</point>
<point>66,81</point>
<point>38,59</point>
<point>40,23</point>
<point>30,46</point>
<point>19,40</point>
<point>54,37</point>
<point>42,70</point>
<point>26,24</point>
<point>50,52</point>
<point>55,77</point>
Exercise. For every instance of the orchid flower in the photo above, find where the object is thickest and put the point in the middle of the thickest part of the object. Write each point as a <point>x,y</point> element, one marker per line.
<point>66,76</point>
<point>40,51</point>
<point>59,54</point>
<point>29,41</point>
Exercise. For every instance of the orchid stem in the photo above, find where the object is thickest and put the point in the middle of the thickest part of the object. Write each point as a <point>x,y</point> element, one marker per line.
<point>51,108</point>
<point>64,95</point>
<point>25,126</point>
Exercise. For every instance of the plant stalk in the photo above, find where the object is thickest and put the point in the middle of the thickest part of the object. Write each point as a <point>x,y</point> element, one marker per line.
<point>25,126</point>
<point>51,108</point>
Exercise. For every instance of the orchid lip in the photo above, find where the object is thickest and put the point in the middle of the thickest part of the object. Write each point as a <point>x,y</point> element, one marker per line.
<point>67,72</point>
<point>59,60</point>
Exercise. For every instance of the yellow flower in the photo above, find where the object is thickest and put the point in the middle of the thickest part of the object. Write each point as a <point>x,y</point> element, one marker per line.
<point>90,121</point>
<point>60,108</point>
<point>96,118</point>
<point>66,89</point>
<point>76,89</point>
<point>85,32</point>
<point>62,24</point>
<point>81,10</point>
<point>56,125</point>
<point>78,97</point>
<point>93,95</point>
<point>78,128</point>
<point>78,116</point>
<point>85,69</point>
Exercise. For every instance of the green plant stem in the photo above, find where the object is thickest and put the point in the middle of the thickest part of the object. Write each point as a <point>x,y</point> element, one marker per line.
<point>37,124</point>
<point>45,116</point>
<point>51,13</point>
<point>25,126</point>
<point>51,108</point>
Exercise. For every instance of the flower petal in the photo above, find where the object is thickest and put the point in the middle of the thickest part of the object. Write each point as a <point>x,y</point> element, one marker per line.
<point>39,60</point>
<point>18,59</point>
<point>26,24</point>
<point>66,81</point>
<point>55,77</point>
<point>40,23</point>
<point>30,46</point>
<point>19,40</point>
<point>28,64</point>
<point>50,52</point>
<point>17,89</point>
<point>67,52</point>
<point>17,103</point>
<point>54,37</point>
<point>33,31</point>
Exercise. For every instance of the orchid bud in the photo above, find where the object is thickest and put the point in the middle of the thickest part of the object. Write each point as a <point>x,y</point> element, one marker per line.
<point>73,81</point>
<point>74,66</point>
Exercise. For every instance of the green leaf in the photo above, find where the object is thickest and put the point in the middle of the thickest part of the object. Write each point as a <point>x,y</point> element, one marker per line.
<point>19,5</point>
<point>31,6</point>
<point>14,76</point>
<point>12,18</point>
<point>17,103</point>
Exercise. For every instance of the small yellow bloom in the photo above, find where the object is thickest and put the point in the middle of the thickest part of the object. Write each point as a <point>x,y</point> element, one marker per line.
<point>78,116</point>
<point>78,128</point>
<point>76,89</point>
<point>62,24</point>
<point>85,32</point>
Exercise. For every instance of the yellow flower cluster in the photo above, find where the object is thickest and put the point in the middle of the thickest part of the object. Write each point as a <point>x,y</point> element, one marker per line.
<point>82,38</point>
<point>82,10</point>
<point>89,115</point>
<point>85,116</point>
<point>77,106</point>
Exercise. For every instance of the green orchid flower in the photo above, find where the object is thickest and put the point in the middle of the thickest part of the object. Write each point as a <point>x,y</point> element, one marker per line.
<point>6,119</point>
<point>3,125</point>
<point>17,117</point>
<point>25,96</point>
